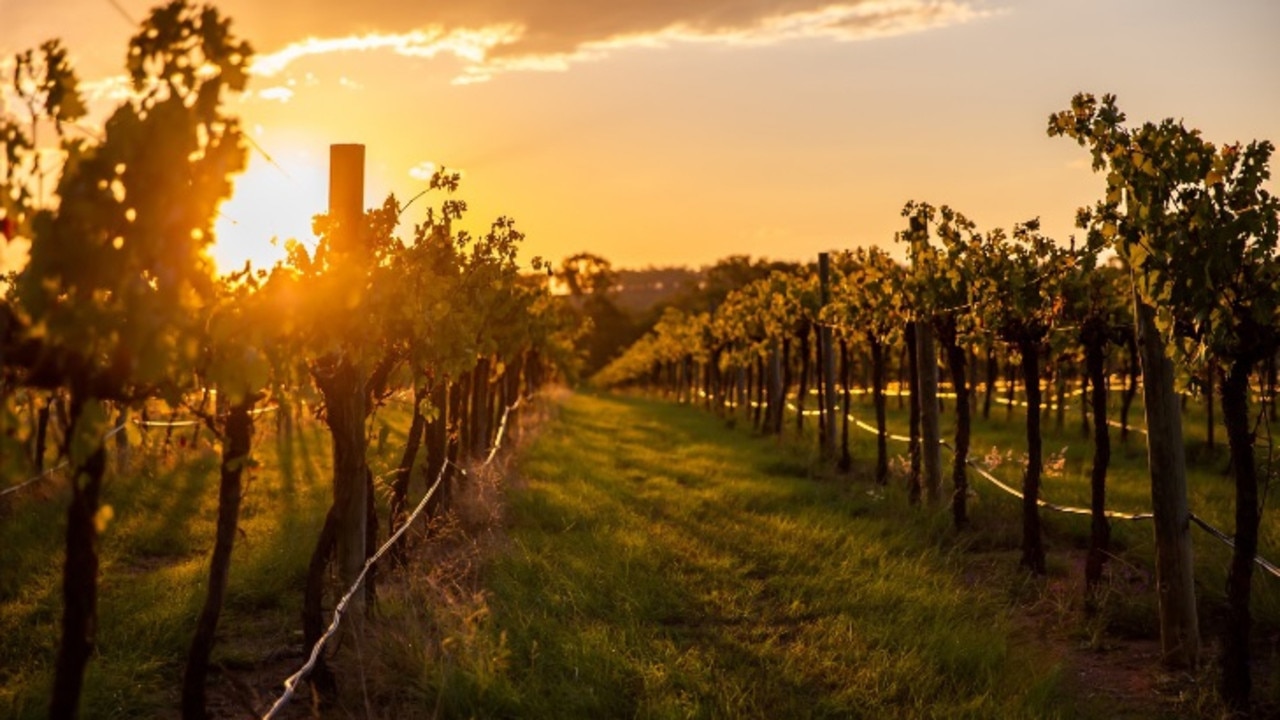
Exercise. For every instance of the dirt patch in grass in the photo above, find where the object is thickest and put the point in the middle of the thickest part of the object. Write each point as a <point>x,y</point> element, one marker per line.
<point>1110,660</point>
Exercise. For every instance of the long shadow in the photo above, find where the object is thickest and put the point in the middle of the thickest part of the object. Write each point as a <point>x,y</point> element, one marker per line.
<point>671,593</point>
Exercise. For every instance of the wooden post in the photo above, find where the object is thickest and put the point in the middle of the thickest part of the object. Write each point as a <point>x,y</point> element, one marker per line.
<point>930,433</point>
<point>927,366</point>
<point>1166,458</point>
<point>346,202</point>
<point>346,195</point>
<point>828,439</point>
<point>777,395</point>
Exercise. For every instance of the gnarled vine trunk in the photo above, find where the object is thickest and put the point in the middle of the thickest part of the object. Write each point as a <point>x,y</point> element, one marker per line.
<point>878,400</point>
<point>956,359</point>
<point>914,486</point>
<point>1099,527</point>
<point>404,471</point>
<point>1032,543</point>
<point>803,394</point>
<point>345,535</point>
<point>479,430</point>
<point>79,570</point>
<point>1237,682</point>
<point>846,461</point>
<point>235,455</point>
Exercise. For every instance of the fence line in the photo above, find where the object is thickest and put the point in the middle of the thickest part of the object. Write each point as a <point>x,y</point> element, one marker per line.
<point>1262,562</point>
<point>166,423</point>
<point>35,479</point>
<point>1231,543</point>
<point>114,431</point>
<point>291,683</point>
<point>502,431</point>
<point>64,464</point>
<point>702,394</point>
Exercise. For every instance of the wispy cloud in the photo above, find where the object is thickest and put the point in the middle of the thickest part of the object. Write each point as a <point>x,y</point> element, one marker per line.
<point>423,170</point>
<point>278,93</point>
<point>469,45</point>
<point>491,37</point>
<point>550,35</point>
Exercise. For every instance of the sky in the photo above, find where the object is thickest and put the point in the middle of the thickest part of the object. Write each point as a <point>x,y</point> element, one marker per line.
<point>676,132</point>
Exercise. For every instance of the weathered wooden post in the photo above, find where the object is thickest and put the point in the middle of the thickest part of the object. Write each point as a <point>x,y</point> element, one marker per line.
<point>828,440</point>
<point>927,365</point>
<point>346,207</point>
<point>1166,458</point>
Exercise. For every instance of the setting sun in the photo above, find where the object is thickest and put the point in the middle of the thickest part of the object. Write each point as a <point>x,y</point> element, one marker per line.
<point>273,201</point>
<point>784,358</point>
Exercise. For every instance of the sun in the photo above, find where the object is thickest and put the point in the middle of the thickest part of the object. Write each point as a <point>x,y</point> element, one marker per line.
<point>271,202</point>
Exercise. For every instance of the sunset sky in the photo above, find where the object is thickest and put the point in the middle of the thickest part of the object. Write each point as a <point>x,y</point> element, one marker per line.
<point>680,131</point>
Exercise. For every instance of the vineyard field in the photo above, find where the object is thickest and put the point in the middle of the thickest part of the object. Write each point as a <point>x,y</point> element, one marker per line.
<point>155,551</point>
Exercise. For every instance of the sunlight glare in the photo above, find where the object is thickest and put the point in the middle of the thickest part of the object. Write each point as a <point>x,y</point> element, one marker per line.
<point>270,201</point>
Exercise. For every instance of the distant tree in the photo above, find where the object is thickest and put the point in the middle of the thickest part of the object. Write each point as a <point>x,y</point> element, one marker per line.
<point>586,274</point>
<point>591,284</point>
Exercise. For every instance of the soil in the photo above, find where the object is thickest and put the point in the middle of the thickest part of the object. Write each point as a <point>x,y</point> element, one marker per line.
<point>1110,660</point>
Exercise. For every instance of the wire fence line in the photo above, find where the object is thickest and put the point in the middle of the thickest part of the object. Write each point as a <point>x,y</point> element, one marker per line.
<point>1231,543</point>
<point>293,681</point>
<point>60,466</point>
<point>112,433</point>
<point>502,430</point>
<point>857,392</point>
<point>166,423</point>
<point>1066,509</point>
<point>33,480</point>
<point>1262,562</point>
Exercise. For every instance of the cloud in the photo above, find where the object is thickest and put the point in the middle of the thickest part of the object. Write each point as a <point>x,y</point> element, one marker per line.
<point>469,45</point>
<point>278,93</point>
<point>423,170</point>
<point>494,36</point>
<point>489,37</point>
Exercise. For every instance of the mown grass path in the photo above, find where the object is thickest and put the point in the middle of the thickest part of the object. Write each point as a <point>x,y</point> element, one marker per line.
<point>659,564</point>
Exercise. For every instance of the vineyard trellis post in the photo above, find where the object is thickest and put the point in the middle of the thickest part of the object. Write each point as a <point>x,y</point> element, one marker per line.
<point>927,366</point>
<point>346,206</point>
<point>1166,457</point>
<point>828,358</point>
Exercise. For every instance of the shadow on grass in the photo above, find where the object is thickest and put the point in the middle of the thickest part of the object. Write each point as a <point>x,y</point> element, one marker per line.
<point>662,565</point>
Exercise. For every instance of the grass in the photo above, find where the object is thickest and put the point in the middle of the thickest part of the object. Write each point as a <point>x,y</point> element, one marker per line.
<point>648,562</point>
<point>154,566</point>
<point>1211,492</point>
<point>1131,610</point>
<point>659,565</point>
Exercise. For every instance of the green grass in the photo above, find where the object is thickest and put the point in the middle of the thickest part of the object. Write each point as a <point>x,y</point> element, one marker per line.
<point>1211,492</point>
<point>154,567</point>
<point>652,563</point>
<point>660,565</point>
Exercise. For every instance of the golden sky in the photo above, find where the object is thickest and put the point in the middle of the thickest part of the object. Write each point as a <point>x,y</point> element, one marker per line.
<point>680,131</point>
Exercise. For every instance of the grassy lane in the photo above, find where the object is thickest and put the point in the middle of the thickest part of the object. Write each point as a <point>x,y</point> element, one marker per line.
<point>661,565</point>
